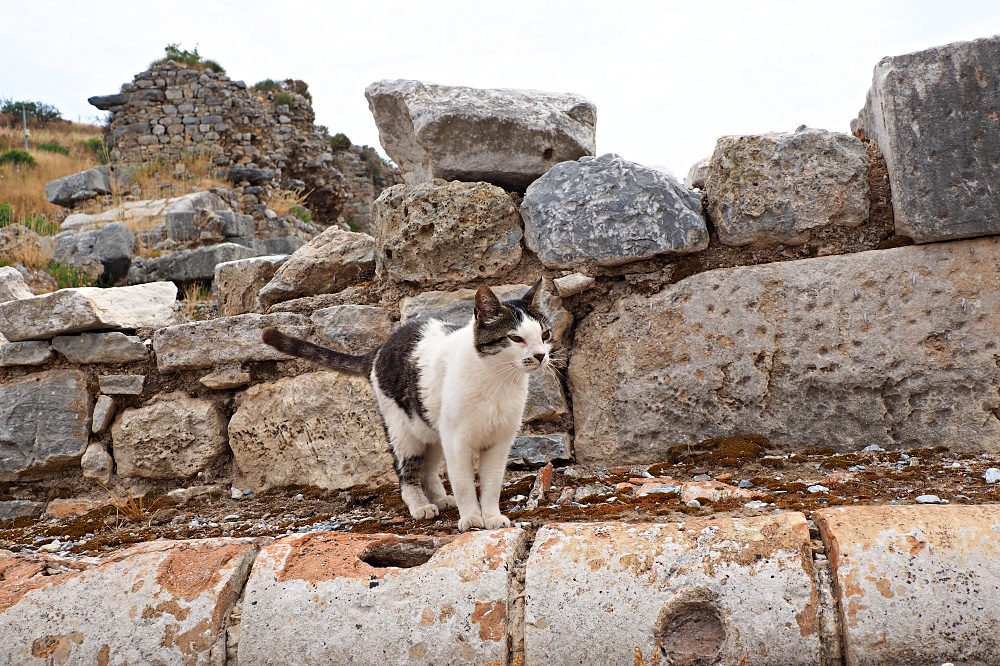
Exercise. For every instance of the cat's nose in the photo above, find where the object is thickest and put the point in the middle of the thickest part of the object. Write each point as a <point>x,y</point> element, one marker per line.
<point>540,357</point>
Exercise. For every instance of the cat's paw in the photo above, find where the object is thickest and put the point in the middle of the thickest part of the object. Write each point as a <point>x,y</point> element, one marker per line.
<point>467,523</point>
<point>424,512</point>
<point>496,522</point>
<point>446,502</point>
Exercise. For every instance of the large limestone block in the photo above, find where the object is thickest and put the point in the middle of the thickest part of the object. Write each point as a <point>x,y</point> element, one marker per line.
<point>892,347</point>
<point>352,329</point>
<point>77,187</point>
<point>103,254</point>
<point>723,591</point>
<point>609,211</point>
<point>784,187</point>
<point>440,233</point>
<point>114,347</point>
<point>934,116</point>
<point>237,284</point>
<point>222,341</point>
<point>88,309</point>
<point>908,571</point>
<point>335,598</point>
<point>319,429</point>
<point>145,214</point>
<point>12,285</point>
<point>163,602</point>
<point>44,422</point>
<point>197,265</point>
<point>171,437</point>
<point>330,262</point>
<point>505,137</point>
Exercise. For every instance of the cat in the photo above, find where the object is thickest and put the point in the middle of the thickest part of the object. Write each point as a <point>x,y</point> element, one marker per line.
<point>450,392</point>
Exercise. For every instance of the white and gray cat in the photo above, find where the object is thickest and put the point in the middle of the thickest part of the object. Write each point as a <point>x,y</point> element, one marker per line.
<point>451,392</point>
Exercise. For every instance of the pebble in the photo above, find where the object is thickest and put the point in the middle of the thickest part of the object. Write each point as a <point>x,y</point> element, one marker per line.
<point>818,489</point>
<point>518,498</point>
<point>232,516</point>
<point>872,448</point>
<point>755,504</point>
<point>702,477</point>
<point>569,471</point>
<point>992,475</point>
<point>299,497</point>
<point>744,484</point>
<point>236,493</point>
<point>930,499</point>
<point>694,504</point>
<point>50,547</point>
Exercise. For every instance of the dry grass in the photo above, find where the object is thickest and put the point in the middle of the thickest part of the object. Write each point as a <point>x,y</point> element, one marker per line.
<point>194,172</point>
<point>284,201</point>
<point>24,187</point>
<point>195,293</point>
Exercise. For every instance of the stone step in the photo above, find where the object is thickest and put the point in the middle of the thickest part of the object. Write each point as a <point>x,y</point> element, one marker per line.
<point>859,585</point>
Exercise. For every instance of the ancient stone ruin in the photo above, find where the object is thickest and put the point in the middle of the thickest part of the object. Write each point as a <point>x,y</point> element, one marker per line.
<point>816,289</point>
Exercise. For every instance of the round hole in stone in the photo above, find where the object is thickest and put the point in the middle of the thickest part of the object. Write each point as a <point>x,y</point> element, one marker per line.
<point>690,631</point>
<point>400,553</point>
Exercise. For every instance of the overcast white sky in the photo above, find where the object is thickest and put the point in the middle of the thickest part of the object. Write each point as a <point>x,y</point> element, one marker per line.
<point>668,78</point>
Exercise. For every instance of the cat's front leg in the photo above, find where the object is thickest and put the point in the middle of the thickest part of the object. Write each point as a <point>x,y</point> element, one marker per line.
<point>458,459</point>
<point>492,465</point>
<point>431,479</point>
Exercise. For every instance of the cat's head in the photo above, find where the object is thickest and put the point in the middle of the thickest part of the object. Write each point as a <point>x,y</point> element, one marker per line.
<point>515,332</point>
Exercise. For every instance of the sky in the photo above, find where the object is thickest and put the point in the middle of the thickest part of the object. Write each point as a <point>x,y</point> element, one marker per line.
<point>668,78</point>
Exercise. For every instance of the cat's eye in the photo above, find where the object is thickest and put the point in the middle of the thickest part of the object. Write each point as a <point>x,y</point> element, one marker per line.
<point>515,338</point>
<point>546,335</point>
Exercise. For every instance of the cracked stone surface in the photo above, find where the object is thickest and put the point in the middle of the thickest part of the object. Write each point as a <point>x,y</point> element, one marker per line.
<point>890,347</point>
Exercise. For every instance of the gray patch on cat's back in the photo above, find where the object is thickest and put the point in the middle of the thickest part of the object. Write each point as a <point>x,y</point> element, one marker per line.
<point>397,372</point>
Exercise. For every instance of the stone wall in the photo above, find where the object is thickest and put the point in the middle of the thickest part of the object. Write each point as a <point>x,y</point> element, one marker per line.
<point>172,110</point>
<point>802,318</point>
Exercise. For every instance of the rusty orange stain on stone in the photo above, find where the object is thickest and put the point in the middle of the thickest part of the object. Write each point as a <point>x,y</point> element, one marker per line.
<point>194,567</point>
<point>915,546</point>
<point>427,617</point>
<point>808,617</point>
<point>19,575</point>
<point>492,620</point>
<point>885,587</point>
<point>171,606</point>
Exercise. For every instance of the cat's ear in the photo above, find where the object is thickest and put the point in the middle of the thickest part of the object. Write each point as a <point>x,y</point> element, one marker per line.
<point>531,296</point>
<point>488,306</point>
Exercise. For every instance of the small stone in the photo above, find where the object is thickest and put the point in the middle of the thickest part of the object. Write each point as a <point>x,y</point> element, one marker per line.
<point>121,384</point>
<point>97,463</point>
<point>236,493</point>
<point>694,504</point>
<point>702,477</point>
<point>930,499</point>
<point>572,284</point>
<point>873,448</point>
<point>104,412</point>
<point>226,379</point>
<point>299,497</point>
<point>232,516</point>
<point>818,489</point>
<point>51,547</point>
<point>755,504</point>
<point>565,496</point>
<point>744,484</point>
<point>569,471</point>
<point>992,475</point>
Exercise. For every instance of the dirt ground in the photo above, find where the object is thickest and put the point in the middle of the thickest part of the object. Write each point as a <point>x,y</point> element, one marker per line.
<point>709,473</point>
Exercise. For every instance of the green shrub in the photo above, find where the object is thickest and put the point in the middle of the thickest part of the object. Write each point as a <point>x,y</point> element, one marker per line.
<point>39,111</point>
<point>302,213</point>
<point>67,276</point>
<point>175,53</point>
<point>54,147</point>
<point>267,85</point>
<point>99,147</point>
<point>6,214</point>
<point>284,98</point>
<point>372,159</point>
<point>17,157</point>
<point>302,88</point>
<point>339,141</point>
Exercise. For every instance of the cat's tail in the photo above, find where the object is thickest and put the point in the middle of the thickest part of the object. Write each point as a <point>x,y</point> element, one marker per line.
<point>347,363</point>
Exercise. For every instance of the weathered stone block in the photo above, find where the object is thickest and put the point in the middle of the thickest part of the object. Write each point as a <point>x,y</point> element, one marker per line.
<point>44,422</point>
<point>196,265</point>
<point>934,116</point>
<point>505,137</point>
<point>440,233</point>
<point>331,261</point>
<point>86,309</point>
<point>237,283</point>
<point>114,347</point>
<point>724,591</point>
<point>121,384</point>
<point>784,187</point>
<point>29,352</point>
<point>321,429</point>
<point>380,599</point>
<point>104,412</point>
<point>606,211</point>
<point>535,450</point>
<point>103,254</point>
<point>352,329</point>
<point>224,341</point>
<point>173,436</point>
<point>179,592</point>
<point>69,190</point>
<point>906,571</point>
<point>12,285</point>
<point>891,347</point>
